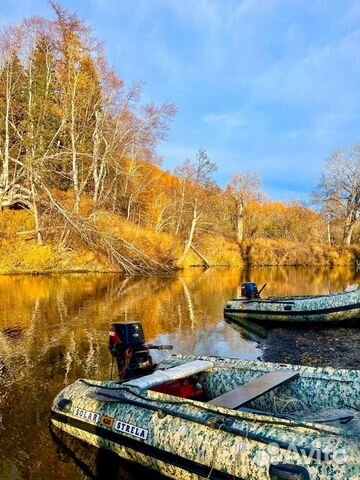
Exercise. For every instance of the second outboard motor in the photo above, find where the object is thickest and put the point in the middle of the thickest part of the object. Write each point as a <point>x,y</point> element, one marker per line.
<point>249,290</point>
<point>127,345</point>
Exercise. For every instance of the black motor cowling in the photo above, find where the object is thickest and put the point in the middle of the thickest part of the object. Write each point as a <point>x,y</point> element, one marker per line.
<point>127,345</point>
<point>249,290</point>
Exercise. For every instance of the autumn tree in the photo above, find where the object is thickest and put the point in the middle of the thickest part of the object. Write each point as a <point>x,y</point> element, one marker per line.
<point>196,185</point>
<point>13,109</point>
<point>242,189</point>
<point>80,95</point>
<point>338,193</point>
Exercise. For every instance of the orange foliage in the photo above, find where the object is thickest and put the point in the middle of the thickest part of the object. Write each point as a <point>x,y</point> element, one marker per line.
<point>285,252</point>
<point>277,220</point>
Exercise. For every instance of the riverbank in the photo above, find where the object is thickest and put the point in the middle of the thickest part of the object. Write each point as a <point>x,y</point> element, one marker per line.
<point>316,346</point>
<point>20,252</point>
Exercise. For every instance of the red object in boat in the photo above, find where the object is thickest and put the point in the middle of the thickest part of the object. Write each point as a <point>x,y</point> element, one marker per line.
<point>184,388</point>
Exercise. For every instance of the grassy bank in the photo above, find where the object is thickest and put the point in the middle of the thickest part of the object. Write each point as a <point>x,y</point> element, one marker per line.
<point>20,253</point>
<point>283,252</point>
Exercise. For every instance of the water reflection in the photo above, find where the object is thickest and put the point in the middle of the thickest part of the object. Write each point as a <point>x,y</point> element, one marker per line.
<point>249,330</point>
<point>54,330</point>
<point>94,463</point>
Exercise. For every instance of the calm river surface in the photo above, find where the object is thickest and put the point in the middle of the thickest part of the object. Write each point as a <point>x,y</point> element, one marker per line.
<point>54,330</point>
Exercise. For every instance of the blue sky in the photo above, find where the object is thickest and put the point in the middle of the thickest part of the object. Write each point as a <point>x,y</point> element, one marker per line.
<point>271,86</point>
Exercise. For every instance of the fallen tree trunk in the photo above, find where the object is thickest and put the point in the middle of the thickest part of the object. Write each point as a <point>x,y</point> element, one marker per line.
<point>203,258</point>
<point>188,243</point>
<point>118,250</point>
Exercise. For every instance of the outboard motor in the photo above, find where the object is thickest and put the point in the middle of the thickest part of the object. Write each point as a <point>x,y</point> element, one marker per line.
<point>127,345</point>
<point>249,290</point>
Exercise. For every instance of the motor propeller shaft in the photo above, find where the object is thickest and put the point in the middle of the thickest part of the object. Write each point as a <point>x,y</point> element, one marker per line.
<point>160,347</point>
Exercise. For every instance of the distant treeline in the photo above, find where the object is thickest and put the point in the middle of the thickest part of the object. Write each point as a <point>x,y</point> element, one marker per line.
<point>78,153</point>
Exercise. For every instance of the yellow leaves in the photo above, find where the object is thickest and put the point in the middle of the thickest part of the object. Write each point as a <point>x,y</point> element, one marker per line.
<point>159,246</point>
<point>20,253</point>
<point>219,251</point>
<point>67,199</point>
<point>24,257</point>
<point>38,258</point>
<point>284,252</point>
<point>281,221</point>
<point>13,221</point>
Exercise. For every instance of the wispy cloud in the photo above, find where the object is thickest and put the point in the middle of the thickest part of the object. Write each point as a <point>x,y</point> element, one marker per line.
<point>227,121</point>
<point>320,75</point>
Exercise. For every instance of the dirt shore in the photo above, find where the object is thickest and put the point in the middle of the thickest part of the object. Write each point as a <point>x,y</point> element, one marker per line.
<point>319,346</point>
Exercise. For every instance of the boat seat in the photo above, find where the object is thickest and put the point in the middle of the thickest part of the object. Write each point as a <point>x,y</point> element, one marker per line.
<point>254,389</point>
<point>163,376</point>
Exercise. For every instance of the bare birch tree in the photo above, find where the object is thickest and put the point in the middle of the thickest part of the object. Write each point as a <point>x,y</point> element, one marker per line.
<point>242,189</point>
<point>196,182</point>
<point>339,190</point>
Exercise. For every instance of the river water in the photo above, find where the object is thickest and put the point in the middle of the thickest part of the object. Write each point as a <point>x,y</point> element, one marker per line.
<point>54,329</point>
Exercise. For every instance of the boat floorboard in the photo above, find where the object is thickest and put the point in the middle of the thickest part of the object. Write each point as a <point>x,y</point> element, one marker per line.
<point>252,390</point>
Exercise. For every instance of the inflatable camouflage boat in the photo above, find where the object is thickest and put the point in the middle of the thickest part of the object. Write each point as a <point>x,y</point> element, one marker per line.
<point>208,417</point>
<point>306,309</point>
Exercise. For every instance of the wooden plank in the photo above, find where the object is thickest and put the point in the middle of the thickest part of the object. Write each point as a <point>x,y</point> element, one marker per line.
<point>254,389</point>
